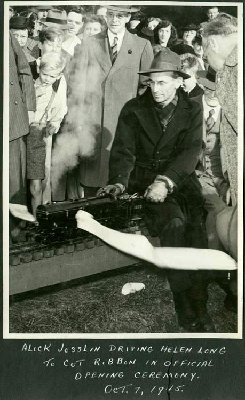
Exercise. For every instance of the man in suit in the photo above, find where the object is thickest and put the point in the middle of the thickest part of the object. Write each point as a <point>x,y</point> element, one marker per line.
<point>155,152</point>
<point>103,78</point>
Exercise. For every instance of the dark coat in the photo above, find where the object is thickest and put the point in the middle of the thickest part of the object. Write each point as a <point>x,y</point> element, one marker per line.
<point>21,100</point>
<point>182,48</point>
<point>141,150</point>
<point>21,91</point>
<point>101,90</point>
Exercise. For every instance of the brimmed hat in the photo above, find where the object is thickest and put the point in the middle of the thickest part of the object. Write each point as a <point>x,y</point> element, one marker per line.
<point>190,27</point>
<point>56,18</point>
<point>18,22</point>
<point>121,8</point>
<point>207,78</point>
<point>166,61</point>
<point>43,7</point>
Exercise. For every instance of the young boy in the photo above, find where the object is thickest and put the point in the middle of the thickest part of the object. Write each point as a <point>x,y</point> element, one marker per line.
<point>51,108</point>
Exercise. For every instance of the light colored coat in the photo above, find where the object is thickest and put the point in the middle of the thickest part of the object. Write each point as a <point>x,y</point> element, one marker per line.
<point>226,91</point>
<point>100,90</point>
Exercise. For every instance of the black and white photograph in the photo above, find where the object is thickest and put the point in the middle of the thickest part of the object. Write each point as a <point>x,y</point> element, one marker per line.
<point>122,201</point>
<point>122,129</point>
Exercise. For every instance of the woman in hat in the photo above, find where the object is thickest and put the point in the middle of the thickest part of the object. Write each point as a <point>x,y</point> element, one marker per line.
<point>189,33</point>
<point>19,26</point>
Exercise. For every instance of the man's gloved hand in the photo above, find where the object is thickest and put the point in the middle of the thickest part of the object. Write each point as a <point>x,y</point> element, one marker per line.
<point>114,190</point>
<point>156,192</point>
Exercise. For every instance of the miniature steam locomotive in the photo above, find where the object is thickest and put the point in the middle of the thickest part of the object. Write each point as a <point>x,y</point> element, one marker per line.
<point>56,232</point>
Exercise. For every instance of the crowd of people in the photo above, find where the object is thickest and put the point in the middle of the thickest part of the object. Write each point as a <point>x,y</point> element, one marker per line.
<point>115,101</point>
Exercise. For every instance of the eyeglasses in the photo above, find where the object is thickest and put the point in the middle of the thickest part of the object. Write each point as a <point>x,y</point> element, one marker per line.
<point>115,15</point>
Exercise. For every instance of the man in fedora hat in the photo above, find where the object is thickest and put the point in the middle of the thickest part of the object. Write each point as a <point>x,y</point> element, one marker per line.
<point>155,152</point>
<point>56,19</point>
<point>103,78</point>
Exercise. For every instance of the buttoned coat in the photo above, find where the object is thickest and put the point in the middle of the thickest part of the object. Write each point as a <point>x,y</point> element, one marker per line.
<point>21,100</point>
<point>100,90</point>
<point>142,150</point>
<point>21,91</point>
<point>140,139</point>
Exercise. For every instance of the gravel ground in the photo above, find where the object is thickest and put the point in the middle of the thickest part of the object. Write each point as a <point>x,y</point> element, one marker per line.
<point>96,305</point>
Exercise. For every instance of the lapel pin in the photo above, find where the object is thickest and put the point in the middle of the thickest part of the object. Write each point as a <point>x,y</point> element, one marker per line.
<point>129,51</point>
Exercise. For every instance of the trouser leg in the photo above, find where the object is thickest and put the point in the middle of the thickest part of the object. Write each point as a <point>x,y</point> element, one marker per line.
<point>189,288</point>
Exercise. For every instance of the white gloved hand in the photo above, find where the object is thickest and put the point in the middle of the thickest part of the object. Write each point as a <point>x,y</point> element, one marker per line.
<point>156,192</point>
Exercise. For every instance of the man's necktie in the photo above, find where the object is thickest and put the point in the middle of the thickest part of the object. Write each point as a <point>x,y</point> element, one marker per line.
<point>114,49</point>
<point>210,120</point>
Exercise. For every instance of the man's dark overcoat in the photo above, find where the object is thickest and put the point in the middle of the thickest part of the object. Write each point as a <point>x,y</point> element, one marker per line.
<point>22,99</point>
<point>141,150</point>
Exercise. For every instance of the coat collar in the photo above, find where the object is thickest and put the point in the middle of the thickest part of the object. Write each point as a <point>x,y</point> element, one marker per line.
<point>101,50</point>
<point>126,49</point>
<point>149,120</point>
<point>103,55</point>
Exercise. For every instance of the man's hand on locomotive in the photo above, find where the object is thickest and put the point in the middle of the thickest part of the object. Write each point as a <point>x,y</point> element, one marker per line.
<point>113,190</point>
<point>156,192</point>
<point>159,189</point>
